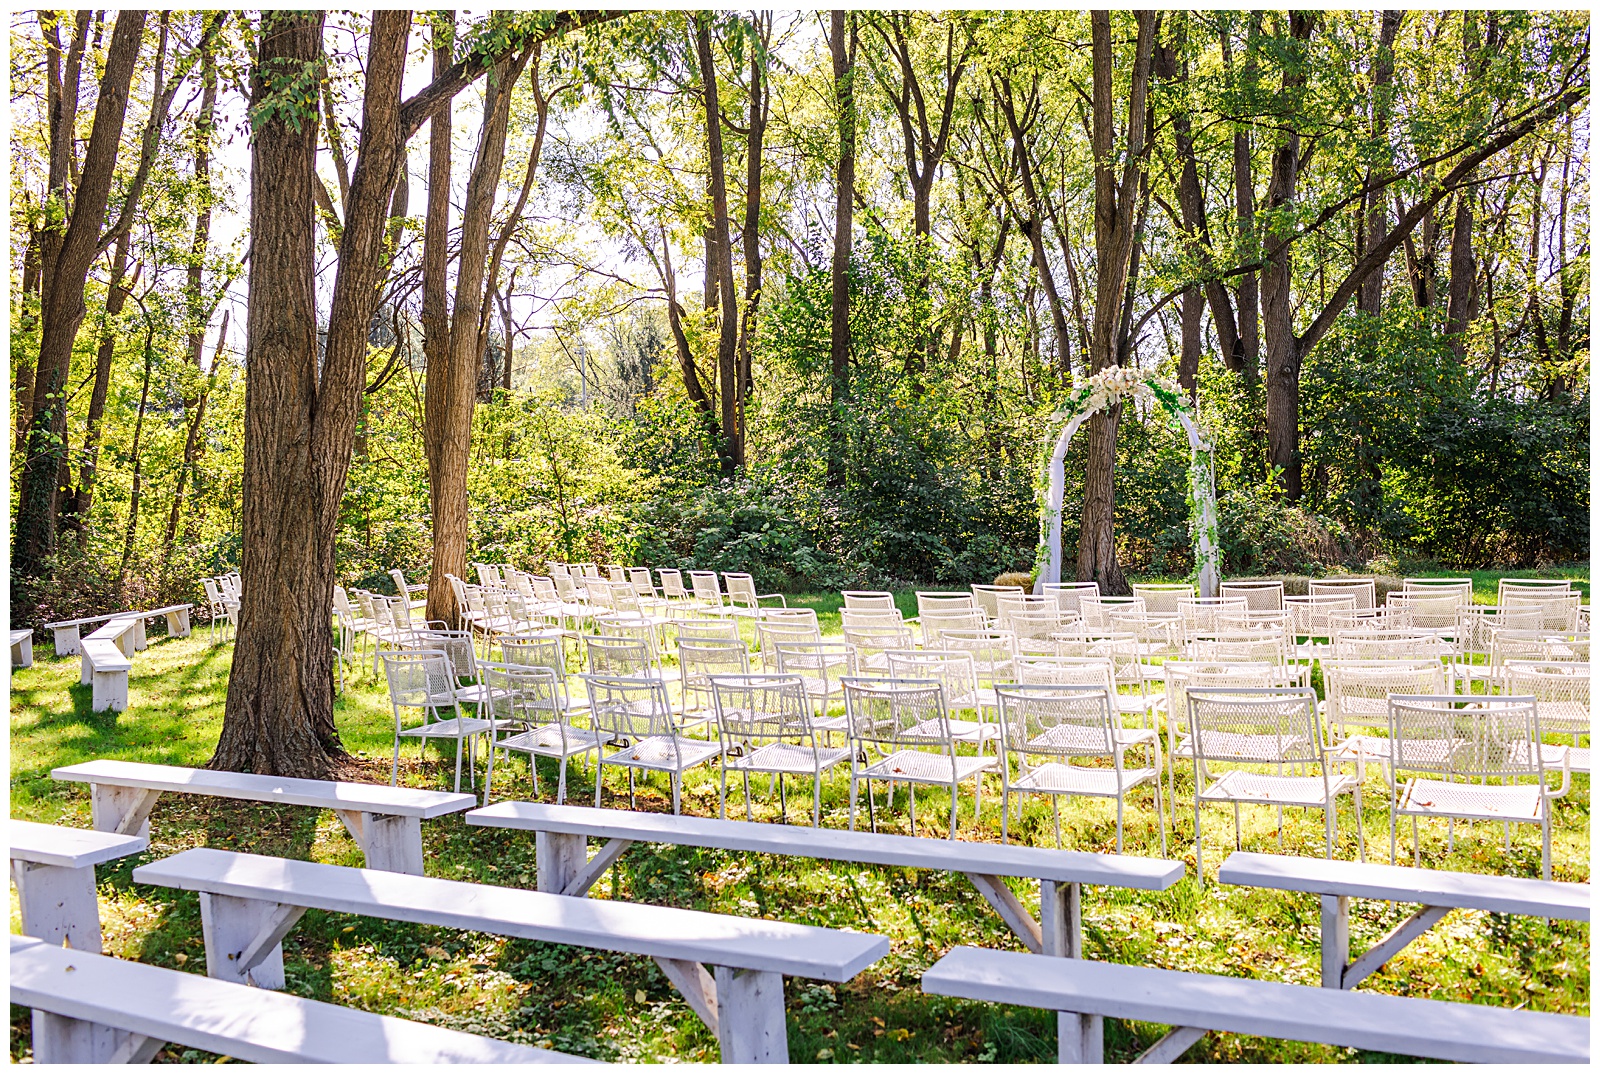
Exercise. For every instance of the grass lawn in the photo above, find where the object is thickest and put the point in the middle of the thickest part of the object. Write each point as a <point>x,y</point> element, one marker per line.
<point>620,1007</point>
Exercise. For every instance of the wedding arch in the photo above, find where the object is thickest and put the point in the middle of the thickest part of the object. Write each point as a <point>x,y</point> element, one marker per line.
<point>1107,388</point>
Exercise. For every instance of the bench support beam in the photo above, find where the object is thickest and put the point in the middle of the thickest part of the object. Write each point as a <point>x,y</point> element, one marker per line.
<point>124,810</point>
<point>60,1039</point>
<point>244,938</point>
<point>1336,971</point>
<point>750,1020</point>
<point>1173,1045</point>
<point>1010,909</point>
<point>58,904</point>
<point>390,843</point>
<point>699,988</point>
<point>562,865</point>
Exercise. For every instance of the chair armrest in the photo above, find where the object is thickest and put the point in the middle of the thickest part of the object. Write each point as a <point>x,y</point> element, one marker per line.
<point>771,596</point>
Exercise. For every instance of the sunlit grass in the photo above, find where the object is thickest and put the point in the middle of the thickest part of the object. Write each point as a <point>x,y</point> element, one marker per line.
<point>621,1007</point>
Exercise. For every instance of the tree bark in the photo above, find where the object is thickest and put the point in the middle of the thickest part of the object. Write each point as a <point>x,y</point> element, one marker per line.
<point>1463,266</point>
<point>116,297</point>
<point>1375,214</point>
<point>1189,313</point>
<point>1033,226</point>
<point>63,311</point>
<point>1116,211</point>
<point>137,488</point>
<point>842,44</point>
<point>1244,208</point>
<point>191,446</point>
<point>300,414</point>
<point>750,236</point>
<point>731,449</point>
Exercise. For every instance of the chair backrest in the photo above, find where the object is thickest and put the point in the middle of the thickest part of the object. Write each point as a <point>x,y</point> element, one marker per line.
<point>819,664</point>
<point>1561,690</point>
<point>1365,590</point>
<point>531,692</point>
<point>544,588</point>
<point>625,599</point>
<point>214,595</point>
<point>591,570</point>
<point>1066,671</point>
<point>1262,595</point>
<point>535,650</point>
<point>418,679</point>
<point>629,707</point>
<point>1466,739</point>
<point>994,652</point>
<point>1439,586</point>
<point>1009,604</point>
<point>1360,689</point>
<point>706,588</point>
<point>1532,587</point>
<point>1254,726</point>
<point>1560,609</point>
<point>567,589</point>
<point>1034,624</point>
<point>986,596</point>
<point>558,570</point>
<point>868,644</point>
<point>1311,614</point>
<point>640,577</point>
<point>624,657</point>
<point>1057,721</point>
<point>616,574</point>
<point>1162,598</point>
<point>791,616</point>
<point>399,580</point>
<point>741,589</point>
<point>1096,611</point>
<point>770,632</point>
<point>456,646</point>
<point>1235,646</point>
<point>955,670</point>
<point>865,599</point>
<point>672,584</point>
<point>1399,644</point>
<point>944,602</point>
<point>599,591</point>
<point>624,625</point>
<point>1068,594</point>
<point>708,628</point>
<point>1541,645</point>
<point>1200,613</point>
<point>702,657</point>
<point>1181,676</point>
<point>756,709</point>
<point>884,712</point>
<point>934,624</point>
<point>871,617</point>
<point>1422,609</point>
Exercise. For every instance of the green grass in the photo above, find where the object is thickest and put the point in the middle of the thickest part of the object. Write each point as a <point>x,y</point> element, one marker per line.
<point>621,1007</point>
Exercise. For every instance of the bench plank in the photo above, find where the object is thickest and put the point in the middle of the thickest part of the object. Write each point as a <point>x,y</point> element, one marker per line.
<point>1463,1032</point>
<point>323,794</point>
<point>21,649</point>
<point>230,1019</point>
<point>1399,883</point>
<point>1061,866</point>
<point>743,943</point>
<point>69,848</point>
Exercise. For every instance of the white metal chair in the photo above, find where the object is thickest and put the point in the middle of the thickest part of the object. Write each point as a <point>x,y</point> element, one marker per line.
<point>1240,647</point>
<point>957,673</point>
<point>1178,677</point>
<point>1357,695</point>
<point>1562,693</point>
<point>698,660</point>
<point>929,601</point>
<point>636,715</point>
<point>994,653</point>
<point>1561,610</point>
<point>708,593</point>
<point>1401,644</point>
<point>534,697</point>
<point>1365,590</point>
<point>1200,614</point>
<point>900,732</point>
<point>868,644</point>
<point>416,595</point>
<point>1068,594</point>
<point>1046,726</point>
<point>935,623</point>
<point>1260,594</point>
<point>1259,733</point>
<point>872,617</point>
<point>1478,759</point>
<point>742,595</point>
<point>707,628</point>
<point>765,727</point>
<point>672,586</point>
<point>987,597</point>
<point>423,680</point>
<point>1163,599</point>
<point>1096,611</point>
<point>820,666</point>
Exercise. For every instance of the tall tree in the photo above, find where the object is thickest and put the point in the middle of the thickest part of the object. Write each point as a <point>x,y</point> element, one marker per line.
<point>842,46</point>
<point>719,256</point>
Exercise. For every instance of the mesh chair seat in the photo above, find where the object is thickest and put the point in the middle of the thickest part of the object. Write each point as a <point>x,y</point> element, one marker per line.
<point>458,727</point>
<point>1056,777</point>
<point>665,753</point>
<point>919,766</point>
<point>1228,746</point>
<point>1238,785</point>
<point>1082,739</point>
<point>1438,798</point>
<point>786,757</point>
<point>971,731</point>
<point>550,741</point>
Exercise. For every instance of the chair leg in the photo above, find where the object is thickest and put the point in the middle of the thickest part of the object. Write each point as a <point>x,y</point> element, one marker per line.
<point>852,801</point>
<point>1199,868</point>
<point>955,800</point>
<point>1055,809</point>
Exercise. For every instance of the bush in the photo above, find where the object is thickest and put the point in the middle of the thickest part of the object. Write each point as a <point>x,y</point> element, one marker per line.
<point>1262,534</point>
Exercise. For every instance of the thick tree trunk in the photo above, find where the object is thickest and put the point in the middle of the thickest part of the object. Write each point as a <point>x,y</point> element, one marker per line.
<point>1116,212</point>
<point>721,248</point>
<point>842,43</point>
<point>63,310</point>
<point>300,414</point>
<point>1244,209</point>
<point>1375,215</point>
<point>1189,314</point>
<point>452,390</point>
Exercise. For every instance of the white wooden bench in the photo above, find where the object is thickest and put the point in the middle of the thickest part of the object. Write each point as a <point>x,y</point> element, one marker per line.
<point>88,1008</point>
<point>21,649</point>
<point>248,903</point>
<point>386,822</point>
<point>106,660</point>
<point>53,869</point>
<point>1438,892</point>
<point>67,629</point>
<point>562,864</point>
<point>1198,1003</point>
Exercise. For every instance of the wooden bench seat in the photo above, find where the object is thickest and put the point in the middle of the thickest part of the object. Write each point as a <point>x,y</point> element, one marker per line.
<point>1196,1003</point>
<point>1438,892</point>
<point>563,865</point>
<point>386,822</point>
<point>105,665</point>
<point>66,630</point>
<point>53,868</point>
<point>88,1008</point>
<point>249,903</point>
<point>21,649</point>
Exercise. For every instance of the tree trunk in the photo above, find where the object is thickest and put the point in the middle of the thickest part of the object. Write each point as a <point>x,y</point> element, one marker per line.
<point>191,446</point>
<point>1244,208</point>
<point>137,488</point>
<point>63,310</point>
<point>751,233</point>
<point>300,414</point>
<point>1116,212</point>
<point>116,297</point>
<point>1375,215</point>
<point>1463,266</point>
<point>1189,313</point>
<point>720,246</point>
<point>842,43</point>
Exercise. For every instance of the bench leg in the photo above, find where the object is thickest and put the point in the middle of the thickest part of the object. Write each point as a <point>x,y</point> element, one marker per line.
<point>750,1019</point>
<point>562,865</point>
<point>1081,1037</point>
<point>24,653</point>
<point>178,624</point>
<point>59,1039</point>
<point>110,691</point>
<point>1335,939</point>
<point>66,640</point>
<point>244,938</point>
<point>124,810</point>
<point>139,642</point>
<point>1010,908</point>
<point>393,844</point>
<point>85,670</point>
<point>58,904</point>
